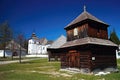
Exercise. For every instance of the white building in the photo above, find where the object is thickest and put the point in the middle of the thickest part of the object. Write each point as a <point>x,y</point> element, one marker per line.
<point>13,48</point>
<point>37,46</point>
<point>118,52</point>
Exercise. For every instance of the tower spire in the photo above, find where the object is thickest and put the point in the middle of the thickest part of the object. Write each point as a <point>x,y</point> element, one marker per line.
<point>84,8</point>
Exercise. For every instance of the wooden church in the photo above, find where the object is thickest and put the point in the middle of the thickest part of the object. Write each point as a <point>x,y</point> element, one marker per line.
<point>87,45</point>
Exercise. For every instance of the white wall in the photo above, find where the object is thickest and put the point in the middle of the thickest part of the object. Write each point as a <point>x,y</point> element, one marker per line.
<point>34,48</point>
<point>118,53</point>
<point>8,53</point>
<point>43,56</point>
<point>44,49</point>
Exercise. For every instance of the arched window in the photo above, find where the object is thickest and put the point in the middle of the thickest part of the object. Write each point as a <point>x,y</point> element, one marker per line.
<point>75,32</point>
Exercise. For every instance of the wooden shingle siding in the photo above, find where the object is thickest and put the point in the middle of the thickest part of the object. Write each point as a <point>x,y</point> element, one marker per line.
<point>93,31</point>
<point>82,32</point>
<point>104,61</point>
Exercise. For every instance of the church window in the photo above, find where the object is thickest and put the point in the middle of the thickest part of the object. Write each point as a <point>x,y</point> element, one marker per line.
<point>43,48</point>
<point>75,32</point>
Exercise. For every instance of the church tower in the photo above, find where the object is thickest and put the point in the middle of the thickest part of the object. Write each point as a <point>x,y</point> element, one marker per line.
<point>86,25</point>
<point>87,47</point>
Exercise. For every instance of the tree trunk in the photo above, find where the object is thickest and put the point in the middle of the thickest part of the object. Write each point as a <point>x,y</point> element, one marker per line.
<point>20,54</point>
<point>12,55</point>
<point>12,50</point>
<point>4,54</point>
<point>4,50</point>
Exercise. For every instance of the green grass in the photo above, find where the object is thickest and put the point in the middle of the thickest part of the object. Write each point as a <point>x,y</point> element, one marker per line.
<point>41,69</point>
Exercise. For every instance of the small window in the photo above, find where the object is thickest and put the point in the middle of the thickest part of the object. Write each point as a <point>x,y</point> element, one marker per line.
<point>75,32</point>
<point>118,53</point>
<point>43,48</point>
<point>93,58</point>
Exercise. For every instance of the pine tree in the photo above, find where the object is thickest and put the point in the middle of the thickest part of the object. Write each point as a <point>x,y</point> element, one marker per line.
<point>114,38</point>
<point>5,35</point>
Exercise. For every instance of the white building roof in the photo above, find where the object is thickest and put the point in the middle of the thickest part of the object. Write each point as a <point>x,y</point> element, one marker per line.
<point>59,42</point>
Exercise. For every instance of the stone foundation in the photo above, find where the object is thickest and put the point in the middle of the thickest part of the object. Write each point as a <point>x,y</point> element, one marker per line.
<point>95,71</point>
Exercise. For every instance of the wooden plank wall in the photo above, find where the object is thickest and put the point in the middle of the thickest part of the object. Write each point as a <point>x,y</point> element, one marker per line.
<point>82,32</point>
<point>97,31</point>
<point>54,56</point>
<point>76,60</point>
<point>103,61</point>
<point>104,57</point>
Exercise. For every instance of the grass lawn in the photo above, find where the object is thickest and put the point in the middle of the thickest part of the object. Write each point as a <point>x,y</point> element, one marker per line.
<point>43,70</point>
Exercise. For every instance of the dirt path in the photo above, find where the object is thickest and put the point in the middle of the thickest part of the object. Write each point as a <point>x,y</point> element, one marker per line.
<point>15,61</point>
<point>57,74</point>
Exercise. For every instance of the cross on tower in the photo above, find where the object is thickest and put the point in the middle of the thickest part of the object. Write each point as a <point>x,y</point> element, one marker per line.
<point>84,8</point>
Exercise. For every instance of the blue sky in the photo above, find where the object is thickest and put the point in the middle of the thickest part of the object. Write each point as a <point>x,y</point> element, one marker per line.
<point>47,18</point>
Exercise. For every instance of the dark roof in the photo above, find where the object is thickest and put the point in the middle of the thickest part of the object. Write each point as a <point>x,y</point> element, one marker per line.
<point>85,16</point>
<point>88,40</point>
<point>33,36</point>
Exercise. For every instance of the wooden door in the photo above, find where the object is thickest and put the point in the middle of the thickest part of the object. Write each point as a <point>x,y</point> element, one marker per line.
<point>74,59</point>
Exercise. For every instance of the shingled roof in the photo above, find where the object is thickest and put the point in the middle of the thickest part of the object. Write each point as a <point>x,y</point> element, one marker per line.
<point>84,16</point>
<point>14,45</point>
<point>59,42</point>
<point>88,40</point>
<point>43,41</point>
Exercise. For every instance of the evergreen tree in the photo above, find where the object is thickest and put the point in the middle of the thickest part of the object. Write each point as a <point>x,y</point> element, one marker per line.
<point>114,38</point>
<point>5,35</point>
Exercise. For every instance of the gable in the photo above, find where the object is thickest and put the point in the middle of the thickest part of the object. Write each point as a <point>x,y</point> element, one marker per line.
<point>83,17</point>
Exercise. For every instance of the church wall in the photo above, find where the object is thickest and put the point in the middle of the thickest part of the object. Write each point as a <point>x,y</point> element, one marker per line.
<point>104,57</point>
<point>36,49</point>
<point>77,58</point>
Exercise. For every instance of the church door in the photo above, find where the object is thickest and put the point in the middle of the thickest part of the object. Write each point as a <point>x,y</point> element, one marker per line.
<point>73,59</point>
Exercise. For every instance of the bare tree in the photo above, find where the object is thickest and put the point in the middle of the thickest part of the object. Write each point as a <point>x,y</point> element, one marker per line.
<point>12,48</point>
<point>25,44</point>
<point>20,40</point>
